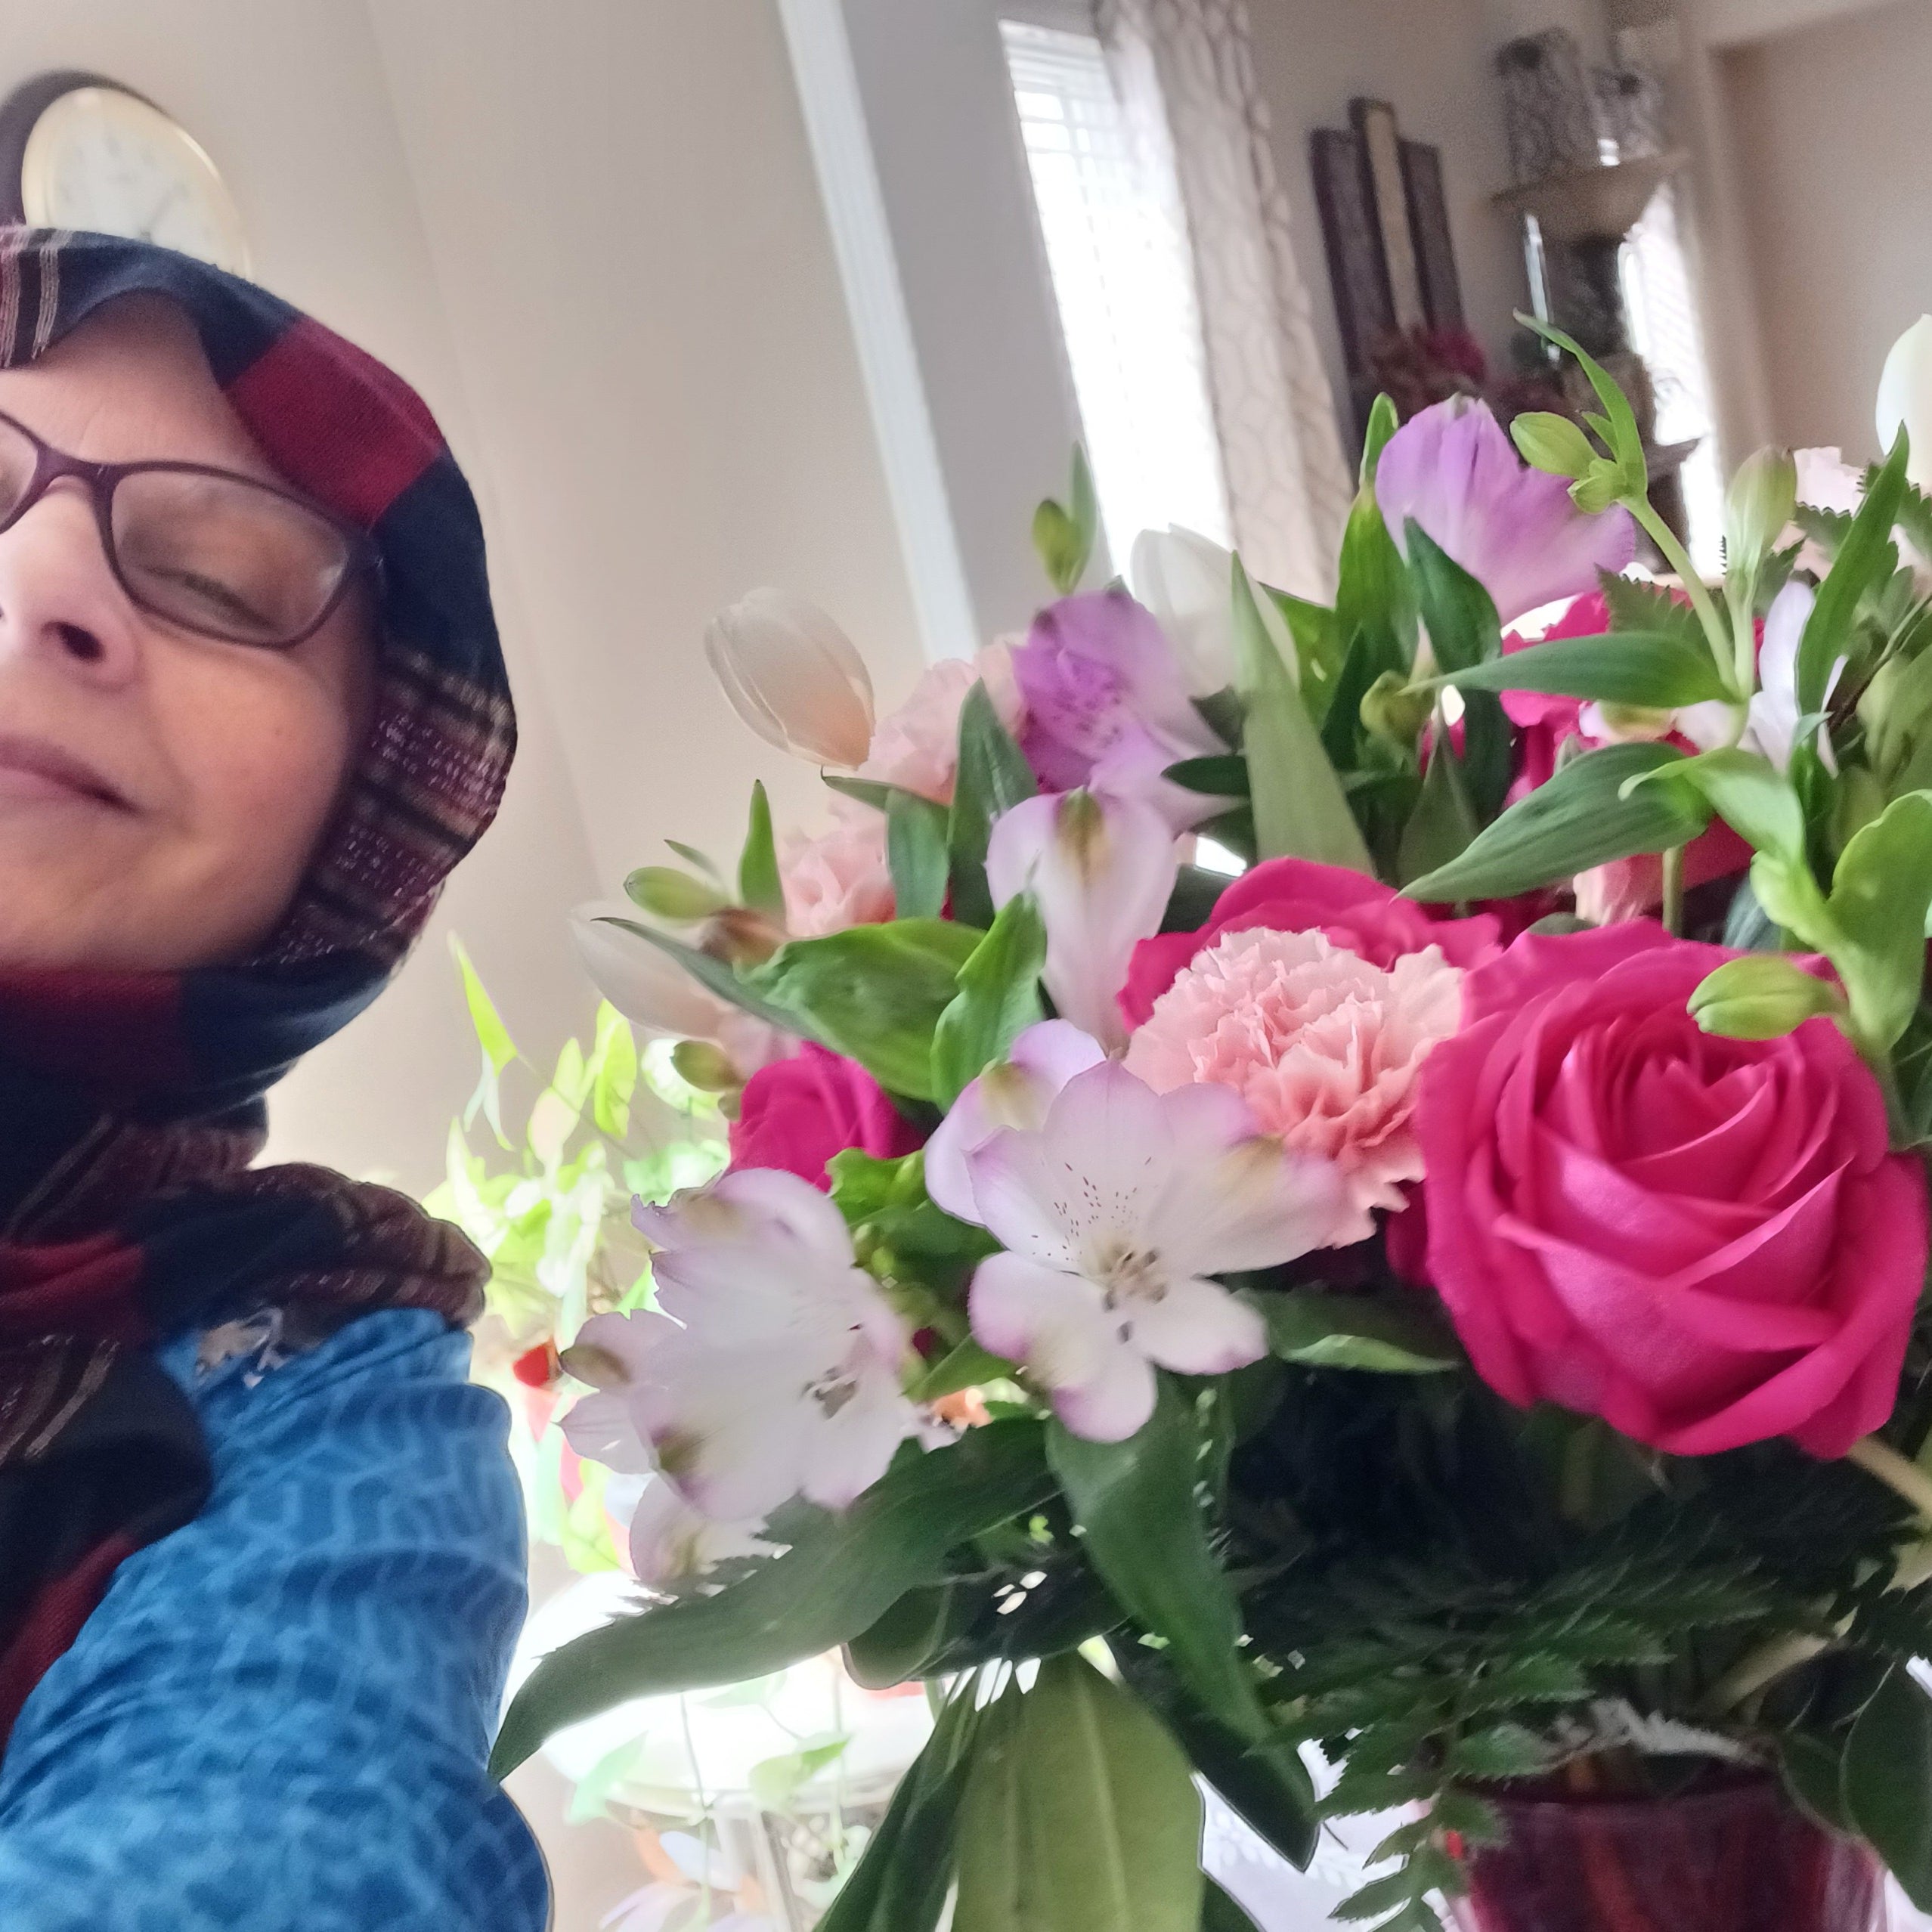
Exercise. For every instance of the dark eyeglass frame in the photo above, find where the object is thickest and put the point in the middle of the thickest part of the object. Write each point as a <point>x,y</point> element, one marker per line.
<point>364,560</point>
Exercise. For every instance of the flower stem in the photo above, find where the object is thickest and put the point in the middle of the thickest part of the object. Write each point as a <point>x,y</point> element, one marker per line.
<point>1716,631</point>
<point>1758,1669</point>
<point>1881,1460</point>
<point>1674,891</point>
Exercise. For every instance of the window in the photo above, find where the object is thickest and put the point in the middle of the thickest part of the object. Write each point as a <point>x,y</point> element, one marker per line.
<point>1116,244</point>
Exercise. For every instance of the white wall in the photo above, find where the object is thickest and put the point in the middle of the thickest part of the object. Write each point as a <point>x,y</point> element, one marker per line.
<point>291,100</point>
<point>1434,59</point>
<point>1829,121</point>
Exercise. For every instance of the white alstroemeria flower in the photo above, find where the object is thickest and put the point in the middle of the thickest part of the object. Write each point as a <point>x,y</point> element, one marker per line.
<point>1905,399</point>
<point>1101,870</point>
<point>1774,710</point>
<point>1115,1212</point>
<point>770,1368</point>
<point>1014,1092</point>
<point>794,677</point>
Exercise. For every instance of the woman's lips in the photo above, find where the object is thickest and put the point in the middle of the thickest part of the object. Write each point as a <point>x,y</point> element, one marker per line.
<point>33,772</point>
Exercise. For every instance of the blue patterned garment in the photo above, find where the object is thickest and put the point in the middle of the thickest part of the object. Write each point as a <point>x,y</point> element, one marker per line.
<point>277,1720</point>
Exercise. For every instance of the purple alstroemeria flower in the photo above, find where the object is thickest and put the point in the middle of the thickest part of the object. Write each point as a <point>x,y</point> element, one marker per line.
<point>1107,705</point>
<point>1513,529</point>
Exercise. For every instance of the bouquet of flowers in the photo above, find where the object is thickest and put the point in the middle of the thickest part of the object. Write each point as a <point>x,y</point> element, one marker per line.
<point>1420,1315</point>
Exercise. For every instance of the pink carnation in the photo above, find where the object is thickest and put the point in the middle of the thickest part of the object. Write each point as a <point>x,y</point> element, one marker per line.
<point>1326,1047</point>
<point>1295,895</point>
<point>838,878</point>
<point>917,746</point>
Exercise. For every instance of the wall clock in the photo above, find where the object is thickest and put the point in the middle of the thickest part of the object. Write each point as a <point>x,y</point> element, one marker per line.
<point>79,151</point>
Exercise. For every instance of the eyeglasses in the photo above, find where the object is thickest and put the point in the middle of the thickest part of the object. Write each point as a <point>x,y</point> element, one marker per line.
<point>217,553</point>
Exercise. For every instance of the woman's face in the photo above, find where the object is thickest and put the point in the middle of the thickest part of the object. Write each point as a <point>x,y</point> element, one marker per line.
<point>160,793</point>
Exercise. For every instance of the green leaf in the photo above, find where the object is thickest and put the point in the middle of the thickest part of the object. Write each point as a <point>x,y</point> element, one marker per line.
<point>993,777</point>
<point>1617,426</point>
<point>1881,893</point>
<point>1581,818</point>
<point>1223,775</point>
<point>875,993</point>
<point>1136,1505</point>
<point>999,998</point>
<point>665,892</point>
<point>694,858</point>
<point>1443,824</point>
<point>1463,630</point>
<point>1390,1334</point>
<point>965,1367</point>
<point>1827,528</point>
<point>1634,604</point>
<point>1318,648</point>
<point>1057,539</point>
<point>776,1782</point>
<point>840,1575</point>
<point>1269,1786</point>
<point>1651,670</point>
<point>901,1883</point>
<point>901,1645</point>
<point>1750,795</point>
<point>1083,501</point>
<point>1887,1781</point>
<point>492,1036</point>
<point>1865,559</point>
<point>758,885</point>
<point>1079,1815</point>
<point>916,851</point>
<point>1219,1912</point>
<point>1761,998</point>
<point>613,1072</point>
<point>1814,1774</point>
<point>1383,422</point>
<point>1373,594</point>
<point>1300,809</point>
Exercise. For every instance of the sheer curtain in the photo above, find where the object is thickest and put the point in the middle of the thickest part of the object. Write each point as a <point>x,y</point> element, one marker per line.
<point>1185,69</point>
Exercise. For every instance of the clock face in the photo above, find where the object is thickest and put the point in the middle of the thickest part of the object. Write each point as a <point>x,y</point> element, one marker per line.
<point>105,160</point>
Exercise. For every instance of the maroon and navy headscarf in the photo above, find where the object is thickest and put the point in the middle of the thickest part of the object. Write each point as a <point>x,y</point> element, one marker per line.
<point>131,1104</point>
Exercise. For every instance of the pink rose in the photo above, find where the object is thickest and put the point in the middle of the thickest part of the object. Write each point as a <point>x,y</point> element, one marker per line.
<point>797,1113</point>
<point>1706,1242</point>
<point>917,746</point>
<point>1297,896</point>
<point>837,878</point>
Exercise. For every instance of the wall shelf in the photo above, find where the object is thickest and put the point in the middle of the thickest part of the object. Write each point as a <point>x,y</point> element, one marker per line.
<point>1592,204</point>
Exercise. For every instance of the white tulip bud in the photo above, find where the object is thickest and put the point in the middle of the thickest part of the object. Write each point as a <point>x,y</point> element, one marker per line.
<point>1186,581</point>
<point>1904,399</point>
<point>794,677</point>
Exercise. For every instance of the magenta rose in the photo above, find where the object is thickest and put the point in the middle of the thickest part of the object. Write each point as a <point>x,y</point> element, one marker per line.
<point>796,1114</point>
<point>1706,1242</point>
<point>1298,896</point>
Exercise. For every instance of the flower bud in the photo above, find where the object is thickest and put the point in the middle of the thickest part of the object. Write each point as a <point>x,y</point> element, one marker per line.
<point>1392,709</point>
<point>676,897</point>
<point>1186,581</point>
<point>1762,996</point>
<point>707,1067</point>
<point>1904,399</point>
<point>794,677</point>
<point>740,936</point>
<point>1763,499</point>
<point>1552,443</point>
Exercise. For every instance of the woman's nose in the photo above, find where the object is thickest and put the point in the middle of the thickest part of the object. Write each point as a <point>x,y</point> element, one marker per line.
<point>59,597</point>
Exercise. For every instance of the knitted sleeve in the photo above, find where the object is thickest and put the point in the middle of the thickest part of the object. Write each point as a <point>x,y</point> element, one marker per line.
<point>278,1718</point>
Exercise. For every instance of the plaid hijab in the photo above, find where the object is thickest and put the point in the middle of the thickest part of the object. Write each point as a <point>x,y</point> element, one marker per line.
<point>131,1104</point>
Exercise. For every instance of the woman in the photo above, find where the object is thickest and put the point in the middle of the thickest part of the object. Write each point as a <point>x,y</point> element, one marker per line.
<point>261,1557</point>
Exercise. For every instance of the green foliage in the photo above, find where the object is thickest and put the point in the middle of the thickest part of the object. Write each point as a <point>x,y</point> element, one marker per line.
<point>1762,997</point>
<point>1065,535</point>
<point>999,998</point>
<point>917,851</point>
<point>1299,807</point>
<point>1394,1334</point>
<point>1079,1815</point>
<point>1141,1523</point>
<point>1587,814</point>
<point>993,777</point>
<point>875,993</point>
<point>1655,670</point>
<point>839,1576</point>
<point>1866,558</point>
<point>758,884</point>
<point>1886,1780</point>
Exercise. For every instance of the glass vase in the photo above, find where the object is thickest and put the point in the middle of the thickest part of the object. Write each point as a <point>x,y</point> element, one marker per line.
<point>1739,1857</point>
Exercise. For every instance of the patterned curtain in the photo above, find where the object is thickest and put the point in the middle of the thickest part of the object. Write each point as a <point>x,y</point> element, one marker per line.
<point>1185,68</point>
